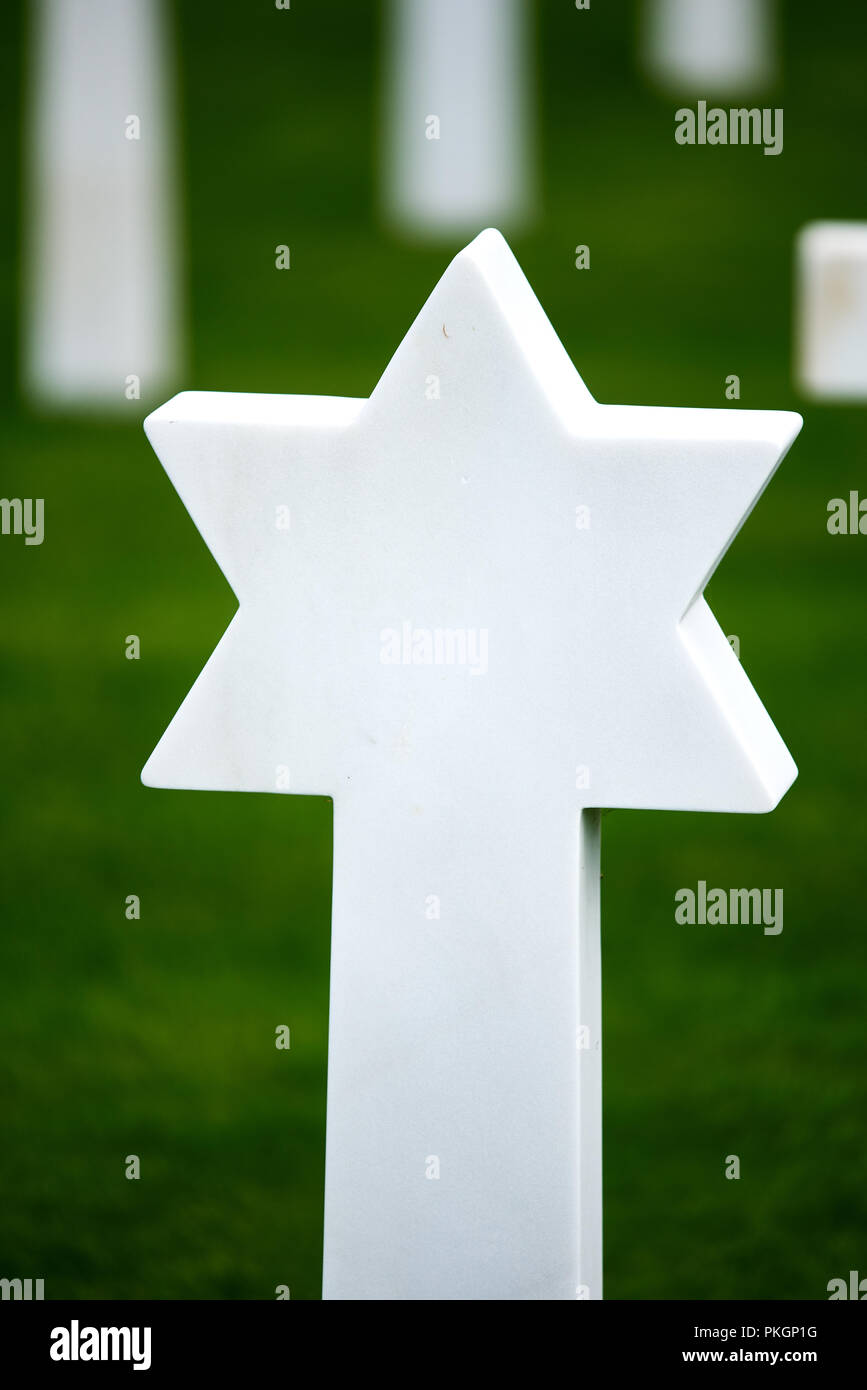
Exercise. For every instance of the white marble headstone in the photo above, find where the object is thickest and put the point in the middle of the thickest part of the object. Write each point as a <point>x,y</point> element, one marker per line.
<point>457,138</point>
<point>471,612</point>
<point>832,310</point>
<point>710,47</point>
<point>101,312</point>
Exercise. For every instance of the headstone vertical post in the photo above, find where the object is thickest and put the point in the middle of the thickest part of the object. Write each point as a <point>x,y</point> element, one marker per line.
<point>709,47</point>
<point>464,1125</point>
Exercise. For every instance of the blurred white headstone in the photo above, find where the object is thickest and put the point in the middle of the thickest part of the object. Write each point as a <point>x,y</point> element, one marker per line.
<point>709,46</point>
<point>101,310</point>
<point>457,139</point>
<point>832,309</point>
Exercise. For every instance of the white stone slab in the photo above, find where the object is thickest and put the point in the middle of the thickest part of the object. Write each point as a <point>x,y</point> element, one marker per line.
<point>101,304</point>
<point>480,492</point>
<point>457,137</point>
<point>832,310</point>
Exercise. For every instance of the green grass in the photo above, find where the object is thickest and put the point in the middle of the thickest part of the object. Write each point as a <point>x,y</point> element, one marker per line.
<point>155,1037</point>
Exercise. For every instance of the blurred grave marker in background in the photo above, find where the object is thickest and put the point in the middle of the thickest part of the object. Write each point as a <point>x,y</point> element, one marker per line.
<point>457,142</point>
<point>101,299</point>
<point>832,310</point>
<point>709,46</point>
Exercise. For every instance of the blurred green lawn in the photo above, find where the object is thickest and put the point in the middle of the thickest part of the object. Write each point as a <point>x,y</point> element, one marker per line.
<point>156,1038</point>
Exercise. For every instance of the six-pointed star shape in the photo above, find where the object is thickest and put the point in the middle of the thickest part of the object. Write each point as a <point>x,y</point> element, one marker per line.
<point>447,502</point>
